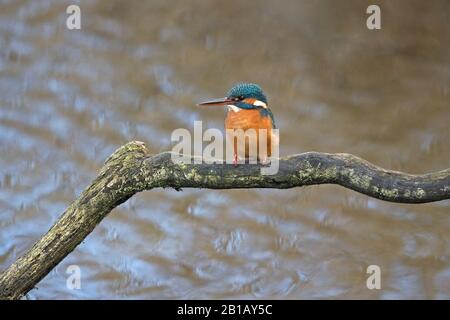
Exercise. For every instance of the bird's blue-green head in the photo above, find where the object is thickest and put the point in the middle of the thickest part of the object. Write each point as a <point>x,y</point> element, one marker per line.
<point>247,91</point>
<point>242,96</point>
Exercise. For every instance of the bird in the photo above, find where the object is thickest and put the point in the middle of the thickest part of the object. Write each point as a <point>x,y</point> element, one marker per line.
<point>247,108</point>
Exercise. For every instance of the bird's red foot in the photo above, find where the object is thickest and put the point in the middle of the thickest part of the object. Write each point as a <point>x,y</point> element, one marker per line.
<point>235,160</point>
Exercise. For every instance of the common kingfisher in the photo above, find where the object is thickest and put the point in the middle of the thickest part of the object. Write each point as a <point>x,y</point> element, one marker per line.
<point>247,108</point>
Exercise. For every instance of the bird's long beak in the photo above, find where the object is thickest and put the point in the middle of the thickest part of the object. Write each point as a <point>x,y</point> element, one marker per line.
<point>217,102</point>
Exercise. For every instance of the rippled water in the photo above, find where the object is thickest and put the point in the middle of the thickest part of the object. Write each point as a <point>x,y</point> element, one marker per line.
<point>136,69</point>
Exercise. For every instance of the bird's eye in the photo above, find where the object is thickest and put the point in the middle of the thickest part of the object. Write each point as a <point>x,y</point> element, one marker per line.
<point>241,97</point>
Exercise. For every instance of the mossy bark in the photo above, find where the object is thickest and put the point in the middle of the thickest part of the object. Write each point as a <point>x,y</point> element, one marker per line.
<point>132,169</point>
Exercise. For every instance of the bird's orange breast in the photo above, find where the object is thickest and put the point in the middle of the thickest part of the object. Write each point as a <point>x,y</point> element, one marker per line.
<point>250,119</point>
<point>247,119</point>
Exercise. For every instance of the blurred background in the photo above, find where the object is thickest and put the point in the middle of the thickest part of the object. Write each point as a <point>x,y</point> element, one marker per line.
<point>69,98</point>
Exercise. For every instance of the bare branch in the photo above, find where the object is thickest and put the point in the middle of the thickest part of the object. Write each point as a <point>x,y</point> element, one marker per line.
<point>132,169</point>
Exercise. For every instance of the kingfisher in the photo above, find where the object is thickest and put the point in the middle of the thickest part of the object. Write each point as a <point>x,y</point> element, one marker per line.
<point>247,108</point>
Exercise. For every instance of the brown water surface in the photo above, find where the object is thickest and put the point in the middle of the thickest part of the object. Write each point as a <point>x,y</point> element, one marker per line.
<point>136,69</point>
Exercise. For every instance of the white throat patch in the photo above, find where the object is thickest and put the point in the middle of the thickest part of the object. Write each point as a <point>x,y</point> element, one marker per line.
<point>232,107</point>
